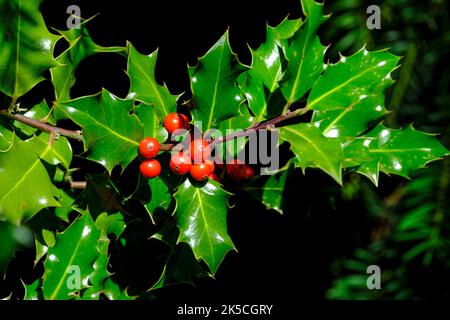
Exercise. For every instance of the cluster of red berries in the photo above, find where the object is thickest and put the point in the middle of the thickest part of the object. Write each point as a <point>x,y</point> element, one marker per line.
<point>196,161</point>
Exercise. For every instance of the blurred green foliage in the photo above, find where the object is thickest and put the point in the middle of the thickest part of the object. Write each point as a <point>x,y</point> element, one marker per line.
<point>410,238</point>
<point>12,238</point>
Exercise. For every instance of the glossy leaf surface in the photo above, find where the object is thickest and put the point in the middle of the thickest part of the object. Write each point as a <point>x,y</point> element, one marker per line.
<point>201,216</point>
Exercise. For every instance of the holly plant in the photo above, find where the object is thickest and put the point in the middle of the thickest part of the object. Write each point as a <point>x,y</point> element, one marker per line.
<point>77,172</point>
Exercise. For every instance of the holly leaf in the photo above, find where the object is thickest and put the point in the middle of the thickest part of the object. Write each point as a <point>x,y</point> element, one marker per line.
<point>144,88</point>
<point>269,189</point>
<point>33,291</point>
<point>110,224</point>
<point>394,151</point>
<point>232,125</point>
<point>260,84</point>
<point>99,272</point>
<point>44,225</point>
<point>305,54</point>
<point>352,79</point>
<point>6,138</point>
<point>26,47</point>
<point>101,195</point>
<point>154,194</point>
<point>213,81</point>
<point>66,200</point>
<point>111,134</point>
<point>74,255</point>
<point>113,292</point>
<point>313,150</point>
<point>353,120</point>
<point>263,103</point>
<point>201,215</point>
<point>26,187</point>
<point>153,125</point>
<point>81,46</point>
<point>107,224</point>
<point>267,59</point>
<point>173,273</point>
<point>60,150</point>
<point>168,234</point>
<point>12,238</point>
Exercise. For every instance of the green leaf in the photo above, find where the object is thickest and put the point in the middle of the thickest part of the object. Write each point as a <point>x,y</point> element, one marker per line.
<point>213,81</point>
<point>26,187</point>
<point>99,272</point>
<point>394,151</point>
<point>33,291</point>
<point>263,103</point>
<point>241,122</point>
<point>153,126</point>
<point>160,197</point>
<point>101,195</point>
<point>66,201</point>
<point>313,150</point>
<point>260,84</point>
<point>49,238</point>
<point>80,47</point>
<point>353,120</point>
<point>156,194</point>
<point>269,189</point>
<point>305,54</point>
<point>110,224</point>
<point>141,70</point>
<point>76,247</point>
<point>168,233</point>
<point>267,59</point>
<point>113,292</point>
<point>60,150</point>
<point>12,238</point>
<point>44,225</point>
<point>201,215</point>
<point>111,134</point>
<point>41,251</point>
<point>352,79</point>
<point>181,267</point>
<point>6,139</point>
<point>26,46</point>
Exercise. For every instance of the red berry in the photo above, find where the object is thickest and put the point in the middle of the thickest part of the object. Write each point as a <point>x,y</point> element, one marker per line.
<point>150,168</point>
<point>248,172</point>
<point>174,121</point>
<point>186,120</point>
<point>219,165</point>
<point>149,147</point>
<point>239,171</point>
<point>180,163</point>
<point>215,177</point>
<point>201,171</point>
<point>199,150</point>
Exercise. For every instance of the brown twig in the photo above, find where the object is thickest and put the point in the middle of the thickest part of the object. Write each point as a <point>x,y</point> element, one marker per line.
<point>43,126</point>
<point>79,185</point>
<point>77,135</point>
<point>270,123</point>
